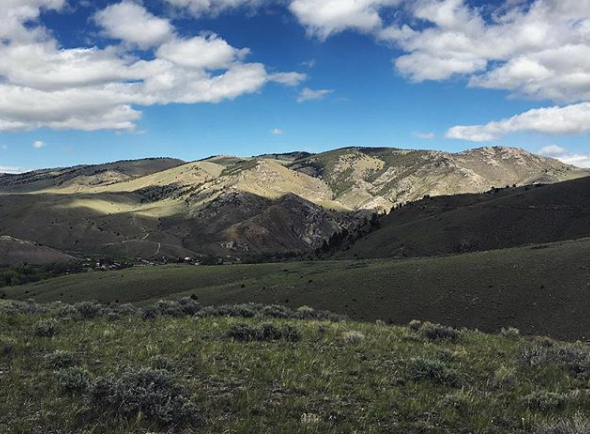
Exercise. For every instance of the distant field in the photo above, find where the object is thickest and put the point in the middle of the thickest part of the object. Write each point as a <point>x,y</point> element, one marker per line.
<point>539,289</point>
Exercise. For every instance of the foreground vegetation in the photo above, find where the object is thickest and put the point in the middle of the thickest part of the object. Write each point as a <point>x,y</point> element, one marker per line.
<point>179,367</point>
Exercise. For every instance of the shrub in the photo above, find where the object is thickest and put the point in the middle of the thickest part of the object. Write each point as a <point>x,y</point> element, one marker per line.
<point>67,311</point>
<point>504,378</point>
<point>277,311</point>
<point>574,359</point>
<point>242,332</point>
<point>437,332</point>
<point>510,332</point>
<point>434,371</point>
<point>162,363</point>
<point>169,308</point>
<point>415,325</point>
<point>544,401</point>
<point>151,392</point>
<point>306,312</point>
<point>89,309</point>
<point>460,401</point>
<point>189,306</point>
<point>149,313</point>
<point>73,379</point>
<point>353,337</point>
<point>291,334</point>
<point>576,425</point>
<point>46,328</point>
<point>263,333</point>
<point>60,359</point>
<point>125,309</point>
<point>533,355</point>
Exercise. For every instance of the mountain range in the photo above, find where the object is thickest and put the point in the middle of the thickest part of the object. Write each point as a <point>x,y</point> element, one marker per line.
<point>274,204</point>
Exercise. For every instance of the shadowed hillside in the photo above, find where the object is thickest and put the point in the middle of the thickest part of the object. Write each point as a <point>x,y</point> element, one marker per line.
<point>14,251</point>
<point>540,289</point>
<point>499,219</point>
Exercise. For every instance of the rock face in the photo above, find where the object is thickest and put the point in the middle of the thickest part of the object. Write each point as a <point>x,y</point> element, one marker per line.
<point>369,178</point>
<point>238,207</point>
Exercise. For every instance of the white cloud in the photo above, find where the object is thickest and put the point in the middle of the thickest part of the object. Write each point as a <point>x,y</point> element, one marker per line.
<point>278,132</point>
<point>212,7</point>
<point>552,150</point>
<point>573,119</point>
<point>538,49</point>
<point>425,136</point>
<point>90,88</point>
<point>579,160</point>
<point>563,154</point>
<point>39,144</point>
<point>132,23</point>
<point>308,94</point>
<point>12,170</point>
<point>323,18</point>
<point>201,52</point>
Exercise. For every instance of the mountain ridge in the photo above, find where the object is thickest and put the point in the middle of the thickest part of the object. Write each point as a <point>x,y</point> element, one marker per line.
<point>290,202</point>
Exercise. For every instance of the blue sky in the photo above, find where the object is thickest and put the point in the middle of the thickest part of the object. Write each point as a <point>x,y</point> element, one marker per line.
<point>89,82</point>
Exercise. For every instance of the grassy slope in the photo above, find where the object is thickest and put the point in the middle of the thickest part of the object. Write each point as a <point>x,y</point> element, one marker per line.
<point>321,384</point>
<point>541,290</point>
<point>14,252</point>
<point>509,218</point>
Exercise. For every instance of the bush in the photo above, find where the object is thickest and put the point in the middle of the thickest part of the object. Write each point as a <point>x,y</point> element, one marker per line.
<point>510,332</point>
<point>577,425</point>
<point>60,359</point>
<point>46,328</point>
<point>169,308</point>
<point>125,309</point>
<point>306,312</point>
<point>533,355</point>
<point>544,401</point>
<point>277,311</point>
<point>149,313</point>
<point>89,309</point>
<point>263,333</point>
<point>162,363</point>
<point>67,311</point>
<point>150,392</point>
<point>189,306</point>
<point>415,325</point>
<point>437,332</point>
<point>434,371</point>
<point>504,378</point>
<point>574,359</point>
<point>73,379</point>
<point>353,337</point>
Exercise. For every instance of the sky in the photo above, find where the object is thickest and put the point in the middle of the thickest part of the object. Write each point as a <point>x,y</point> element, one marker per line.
<point>85,82</point>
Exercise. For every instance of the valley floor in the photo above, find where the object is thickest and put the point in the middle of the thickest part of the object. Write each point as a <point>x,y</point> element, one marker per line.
<point>541,289</point>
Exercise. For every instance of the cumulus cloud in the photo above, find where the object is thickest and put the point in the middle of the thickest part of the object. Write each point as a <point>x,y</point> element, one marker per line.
<point>425,136</point>
<point>131,23</point>
<point>212,7</point>
<point>552,150</point>
<point>90,88</point>
<point>538,49</point>
<point>573,119</point>
<point>277,132</point>
<point>563,154</point>
<point>308,94</point>
<point>39,144</point>
<point>11,170</point>
<point>323,18</point>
